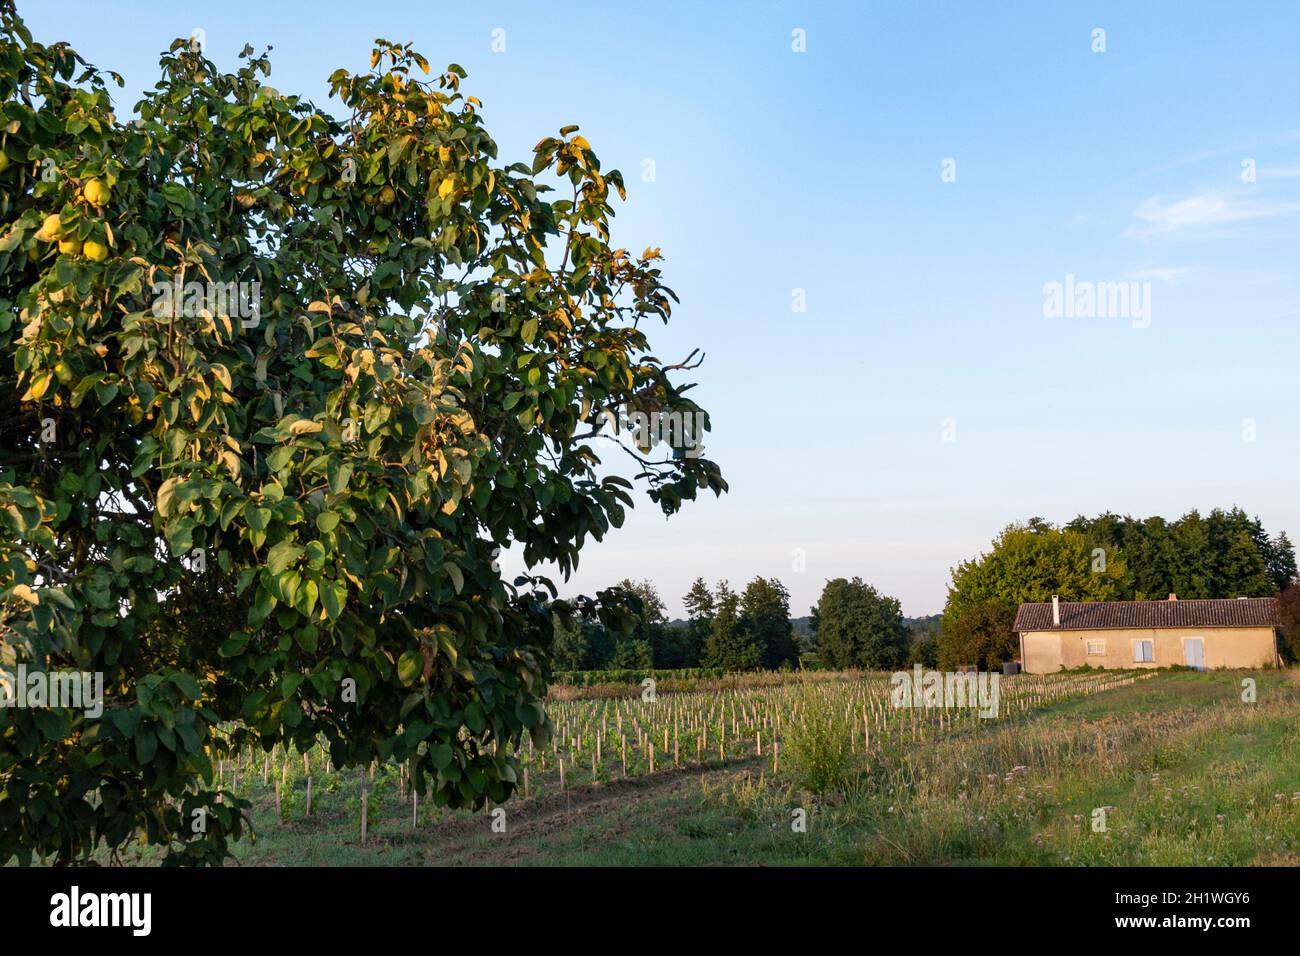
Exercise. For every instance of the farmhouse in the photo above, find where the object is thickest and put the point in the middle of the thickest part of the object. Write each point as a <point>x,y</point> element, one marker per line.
<point>1238,632</point>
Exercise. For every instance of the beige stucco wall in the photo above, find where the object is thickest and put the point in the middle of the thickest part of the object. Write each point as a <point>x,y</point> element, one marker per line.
<point>1048,651</point>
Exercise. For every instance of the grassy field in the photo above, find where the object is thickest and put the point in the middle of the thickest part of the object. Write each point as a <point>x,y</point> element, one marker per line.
<point>1185,772</point>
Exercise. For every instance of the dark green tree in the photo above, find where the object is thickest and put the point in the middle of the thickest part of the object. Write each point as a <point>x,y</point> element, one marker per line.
<point>700,611</point>
<point>731,645</point>
<point>601,644</point>
<point>765,608</point>
<point>980,636</point>
<point>858,627</point>
<point>632,654</point>
<point>923,650</point>
<point>651,628</point>
<point>1219,555</point>
<point>570,650</point>
<point>1279,555</point>
<point>923,640</point>
<point>1280,558</point>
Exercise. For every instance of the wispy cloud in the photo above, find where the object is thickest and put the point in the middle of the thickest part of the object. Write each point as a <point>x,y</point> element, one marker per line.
<point>1241,149</point>
<point>1204,211</point>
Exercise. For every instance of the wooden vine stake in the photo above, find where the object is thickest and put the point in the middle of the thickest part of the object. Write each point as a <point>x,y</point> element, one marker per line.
<point>365,809</point>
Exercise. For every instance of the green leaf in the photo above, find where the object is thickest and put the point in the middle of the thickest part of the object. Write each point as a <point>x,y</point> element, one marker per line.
<point>417,730</point>
<point>409,666</point>
<point>340,477</point>
<point>234,645</point>
<point>307,596</point>
<point>189,737</point>
<point>377,414</point>
<point>146,744</point>
<point>285,553</point>
<point>333,597</point>
<point>315,552</point>
<point>440,756</point>
<point>187,684</point>
<point>263,604</point>
<point>474,718</point>
<point>278,459</point>
<point>288,581</point>
<point>126,719</point>
<point>308,638</point>
<point>180,535</point>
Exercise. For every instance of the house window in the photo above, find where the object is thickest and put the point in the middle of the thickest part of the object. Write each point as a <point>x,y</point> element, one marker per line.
<point>1096,648</point>
<point>1142,652</point>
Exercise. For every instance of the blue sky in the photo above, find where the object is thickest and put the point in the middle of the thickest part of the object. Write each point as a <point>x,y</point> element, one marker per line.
<point>821,171</point>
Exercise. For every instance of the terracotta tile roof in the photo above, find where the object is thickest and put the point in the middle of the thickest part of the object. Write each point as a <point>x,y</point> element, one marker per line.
<point>1231,612</point>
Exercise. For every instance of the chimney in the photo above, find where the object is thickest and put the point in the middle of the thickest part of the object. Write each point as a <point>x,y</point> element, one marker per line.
<point>1056,611</point>
<point>1172,596</point>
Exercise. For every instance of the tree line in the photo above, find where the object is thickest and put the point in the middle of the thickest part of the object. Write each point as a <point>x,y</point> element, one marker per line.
<point>1222,554</point>
<point>852,626</point>
<point>747,630</point>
